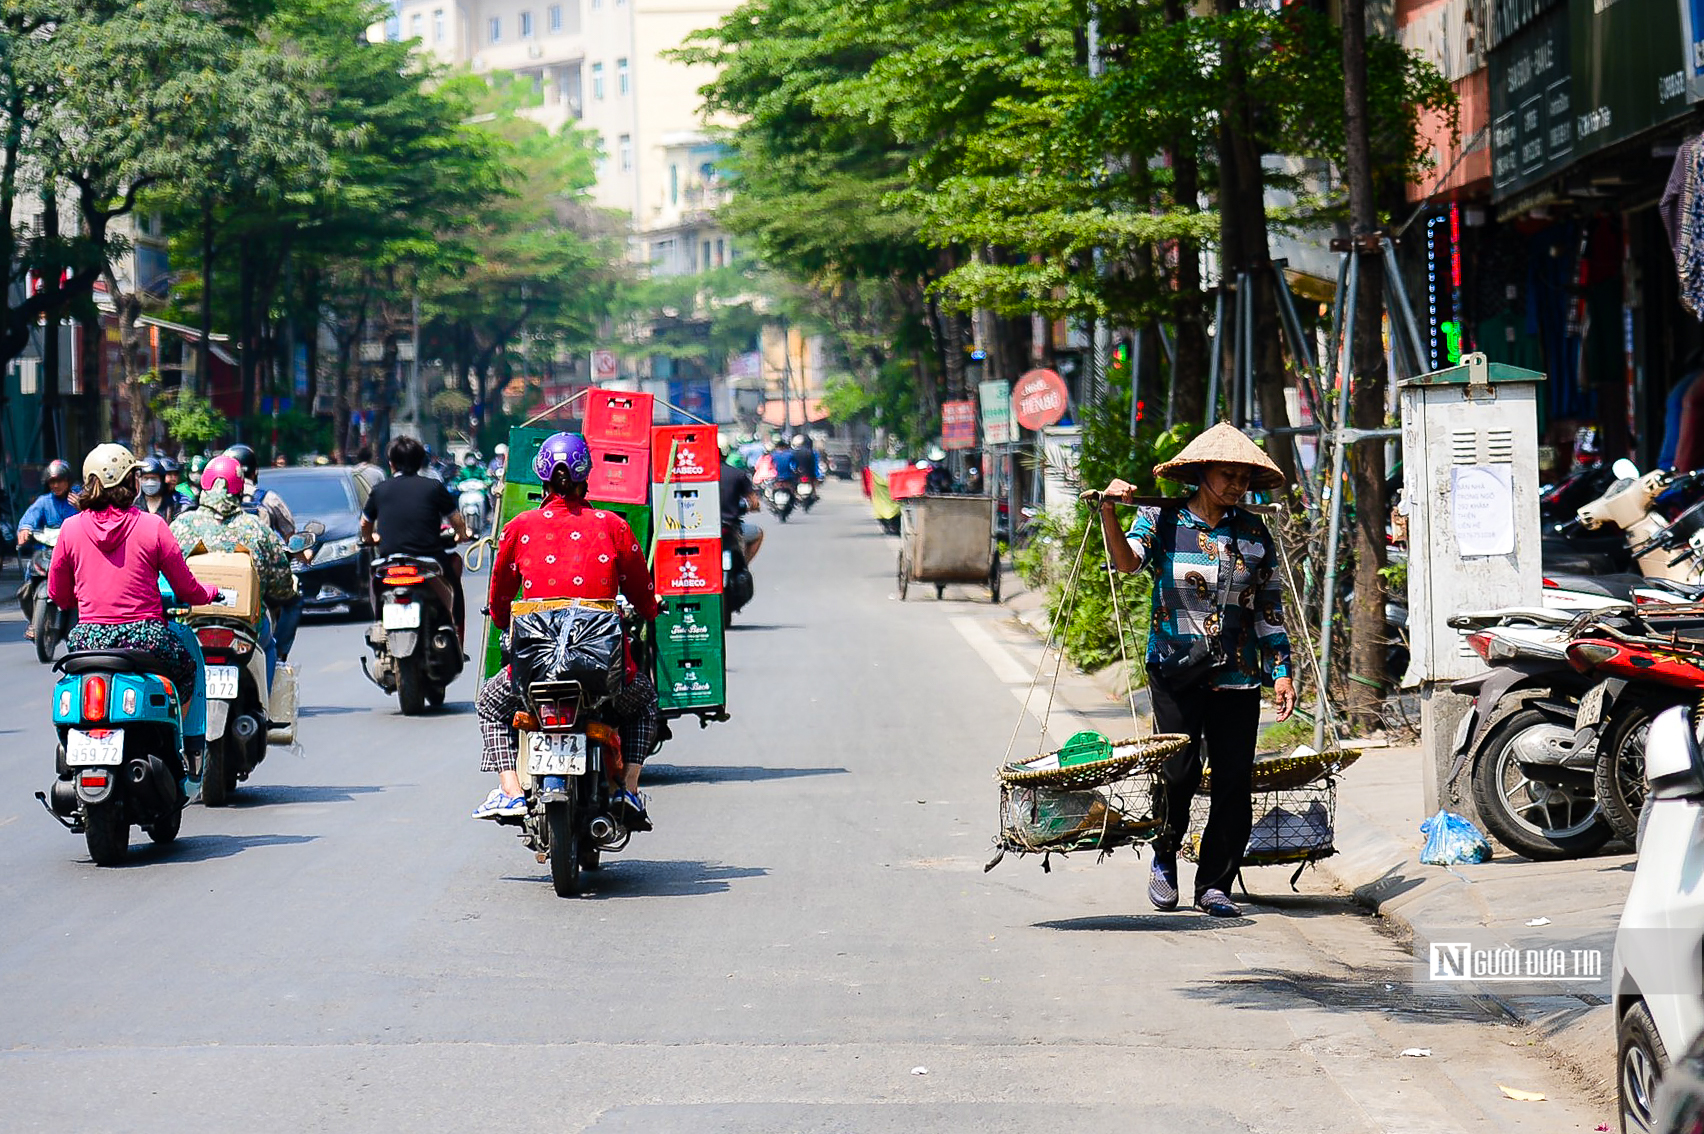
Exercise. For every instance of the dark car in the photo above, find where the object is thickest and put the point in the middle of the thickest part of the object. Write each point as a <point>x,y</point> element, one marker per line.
<point>335,579</point>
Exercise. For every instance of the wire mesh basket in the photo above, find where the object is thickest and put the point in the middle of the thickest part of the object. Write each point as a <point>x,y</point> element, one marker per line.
<point>1049,807</point>
<point>1295,810</point>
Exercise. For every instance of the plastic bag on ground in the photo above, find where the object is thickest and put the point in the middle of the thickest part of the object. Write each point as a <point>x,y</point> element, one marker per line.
<point>1452,841</point>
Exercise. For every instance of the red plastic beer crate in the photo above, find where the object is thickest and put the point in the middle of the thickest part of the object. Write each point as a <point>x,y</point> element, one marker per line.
<point>618,417</point>
<point>684,453</point>
<point>689,567</point>
<point>621,474</point>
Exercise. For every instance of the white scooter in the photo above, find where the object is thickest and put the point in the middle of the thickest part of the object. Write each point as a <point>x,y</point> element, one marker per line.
<point>471,502</point>
<point>1656,981</point>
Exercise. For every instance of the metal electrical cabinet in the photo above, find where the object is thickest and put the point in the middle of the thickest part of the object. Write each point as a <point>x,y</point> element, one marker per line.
<point>1470,492</point>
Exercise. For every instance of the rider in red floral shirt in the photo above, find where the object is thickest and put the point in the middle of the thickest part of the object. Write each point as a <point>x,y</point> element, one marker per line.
<point>565,548</point>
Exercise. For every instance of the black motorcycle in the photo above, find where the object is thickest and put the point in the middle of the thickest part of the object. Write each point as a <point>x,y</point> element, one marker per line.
<point>416,650</point>
<point>1532,780</point>
<point>738,587</point>
<point>49,624</point>
<point>782,497</point>
<point>570,744</point>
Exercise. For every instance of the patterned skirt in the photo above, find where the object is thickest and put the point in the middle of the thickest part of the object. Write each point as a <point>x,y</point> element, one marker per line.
<point>153,637</point>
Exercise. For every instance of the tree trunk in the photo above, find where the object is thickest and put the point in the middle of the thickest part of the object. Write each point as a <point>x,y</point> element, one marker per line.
<point>1242,204</point>
<point>245,340</point>
<point>1367,409</point>
<point>204,348</point>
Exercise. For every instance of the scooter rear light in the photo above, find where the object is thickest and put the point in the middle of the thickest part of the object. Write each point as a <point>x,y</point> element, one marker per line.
<point>1481,643</point>
<point>1553,584</point>
<point>171,690</point>
<point>1587,656</point>
<point>94,698</point>
<point>93,779</point>
<point>216,637</point>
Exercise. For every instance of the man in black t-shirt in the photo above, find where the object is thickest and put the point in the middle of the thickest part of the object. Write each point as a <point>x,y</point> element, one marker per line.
<point>737,487</point>
<point>409,511</point>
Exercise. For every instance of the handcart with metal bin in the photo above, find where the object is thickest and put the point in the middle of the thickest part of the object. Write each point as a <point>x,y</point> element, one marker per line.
<point>948,539</point>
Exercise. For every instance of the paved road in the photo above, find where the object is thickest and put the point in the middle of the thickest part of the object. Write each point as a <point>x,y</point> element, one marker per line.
<point>806,933</point>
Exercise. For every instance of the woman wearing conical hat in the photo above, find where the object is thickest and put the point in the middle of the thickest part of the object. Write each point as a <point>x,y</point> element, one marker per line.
<point>1216,637</point>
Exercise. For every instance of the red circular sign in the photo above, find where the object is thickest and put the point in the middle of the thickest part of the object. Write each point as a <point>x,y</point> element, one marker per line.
<point>1039,399</point>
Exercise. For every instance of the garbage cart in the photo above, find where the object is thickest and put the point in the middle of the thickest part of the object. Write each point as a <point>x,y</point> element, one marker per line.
<point>948,539</point>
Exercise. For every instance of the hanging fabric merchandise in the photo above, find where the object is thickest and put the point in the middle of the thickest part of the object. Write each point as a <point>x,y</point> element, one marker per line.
<point>1689,246</point>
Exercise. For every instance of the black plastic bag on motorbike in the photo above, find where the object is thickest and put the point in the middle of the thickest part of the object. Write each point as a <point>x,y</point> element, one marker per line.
<point>571,643</point>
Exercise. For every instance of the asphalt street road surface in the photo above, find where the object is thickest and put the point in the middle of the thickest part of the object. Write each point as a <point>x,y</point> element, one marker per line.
<point>807,943</point>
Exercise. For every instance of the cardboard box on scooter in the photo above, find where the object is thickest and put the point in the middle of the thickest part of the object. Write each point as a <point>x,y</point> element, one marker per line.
<point>234,575</point>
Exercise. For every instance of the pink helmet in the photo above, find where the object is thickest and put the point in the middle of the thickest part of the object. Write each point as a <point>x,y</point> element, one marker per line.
<point>226,471</point>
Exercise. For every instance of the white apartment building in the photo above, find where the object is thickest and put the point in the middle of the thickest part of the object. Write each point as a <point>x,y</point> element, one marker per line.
<point>599,64</point>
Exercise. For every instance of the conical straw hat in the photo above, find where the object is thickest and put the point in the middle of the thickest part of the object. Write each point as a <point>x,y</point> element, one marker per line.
<point>1224,444</point>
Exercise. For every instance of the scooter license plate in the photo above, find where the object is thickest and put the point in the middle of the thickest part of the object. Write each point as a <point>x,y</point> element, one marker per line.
<point>222,682</point>
<point>401,616</point>
<point>1590,711</point>
<point>96,747</point>
<point>556,754</point>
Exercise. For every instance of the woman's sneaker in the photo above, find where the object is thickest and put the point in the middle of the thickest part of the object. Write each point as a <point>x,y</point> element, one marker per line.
<point>1162,884</point>
<point>1218,904</point>
<point>500,806</point>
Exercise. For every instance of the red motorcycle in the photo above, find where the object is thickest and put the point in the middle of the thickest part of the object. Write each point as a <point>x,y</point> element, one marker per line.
<point>1642,675</point>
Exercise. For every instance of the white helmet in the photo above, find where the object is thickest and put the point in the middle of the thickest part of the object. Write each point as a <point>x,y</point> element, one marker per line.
<point>109,464</point>
<point>798,440</point>
<point>501,450</point>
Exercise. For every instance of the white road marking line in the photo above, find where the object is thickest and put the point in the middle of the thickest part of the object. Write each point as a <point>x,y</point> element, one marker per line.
<point>336,667</point>
<point>999,659</point>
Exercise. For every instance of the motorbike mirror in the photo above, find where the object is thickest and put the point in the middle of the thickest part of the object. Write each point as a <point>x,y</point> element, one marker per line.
<point>302,541</point>
<point>1625,469</point>
<point>1674,766</point>
<point>314,528</point>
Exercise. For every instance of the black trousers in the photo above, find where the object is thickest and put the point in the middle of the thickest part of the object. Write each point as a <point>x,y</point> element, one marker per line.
<point>1224,722</point>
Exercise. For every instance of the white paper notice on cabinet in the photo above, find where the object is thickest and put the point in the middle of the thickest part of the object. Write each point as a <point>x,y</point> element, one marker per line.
<point>1482,502</point>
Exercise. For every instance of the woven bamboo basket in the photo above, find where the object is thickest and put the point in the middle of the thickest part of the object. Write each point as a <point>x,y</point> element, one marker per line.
<point>1098,805</point>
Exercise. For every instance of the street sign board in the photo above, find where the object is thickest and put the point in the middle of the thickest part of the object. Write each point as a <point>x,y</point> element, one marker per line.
<point>958,425</point>
<point>996,399</point>
<point>1532,114</point>
<point>1039,399</point>
<point>603,365</point>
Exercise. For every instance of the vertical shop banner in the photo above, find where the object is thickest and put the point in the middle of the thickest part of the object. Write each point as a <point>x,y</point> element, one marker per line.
<point>996,400</point>
<point>1532,119</point>
<point>958,425</point>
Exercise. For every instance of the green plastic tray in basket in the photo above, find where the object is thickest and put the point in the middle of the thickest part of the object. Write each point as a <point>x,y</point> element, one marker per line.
<point>1127,758</point>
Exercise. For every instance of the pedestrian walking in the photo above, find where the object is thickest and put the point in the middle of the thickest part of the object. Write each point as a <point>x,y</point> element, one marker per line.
<point>1217,635</point>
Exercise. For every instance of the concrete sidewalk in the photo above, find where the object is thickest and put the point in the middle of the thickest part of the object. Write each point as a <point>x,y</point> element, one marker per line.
<point>1379,811</point>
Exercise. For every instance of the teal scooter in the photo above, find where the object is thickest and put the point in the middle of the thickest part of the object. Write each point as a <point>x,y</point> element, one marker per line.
<point>120,761</point>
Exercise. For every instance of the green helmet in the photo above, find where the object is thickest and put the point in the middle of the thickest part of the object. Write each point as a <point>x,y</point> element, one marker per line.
<point>196,464</point>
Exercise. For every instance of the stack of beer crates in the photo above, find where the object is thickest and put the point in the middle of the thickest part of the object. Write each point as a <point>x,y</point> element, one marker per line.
<point>665,481</point>
<point>686,509</point>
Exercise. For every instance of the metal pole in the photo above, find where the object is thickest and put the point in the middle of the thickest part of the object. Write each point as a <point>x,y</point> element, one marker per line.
<point>1136,376</point>
<point>1394,286</point>
<point>1245,348</point>
<point>1218,356</point>
<point>1171,365</point>
<point>414,370</point>
<point>1334,528</point>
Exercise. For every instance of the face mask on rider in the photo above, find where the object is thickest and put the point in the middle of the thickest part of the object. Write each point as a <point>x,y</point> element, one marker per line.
<point>151,486</point>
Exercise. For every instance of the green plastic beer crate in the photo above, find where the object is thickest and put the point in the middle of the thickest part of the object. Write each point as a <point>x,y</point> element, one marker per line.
<point>638,517</point>
<point>692,622</point>
<point>690,678</point>
<point>524,442</point>
<point>519,497</point>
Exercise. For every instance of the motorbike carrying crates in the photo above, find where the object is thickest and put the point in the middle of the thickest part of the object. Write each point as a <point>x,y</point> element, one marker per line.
<point>692,510</point>
<point>691,622</point>
<point>685,453</point>
<point>237,579</point>
<point>621,474</point>
<point>689,566</point>
<point>618,417</point>
<point>690,678</point>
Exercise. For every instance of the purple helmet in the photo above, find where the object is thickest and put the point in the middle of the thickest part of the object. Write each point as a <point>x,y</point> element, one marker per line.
<point>564,450</point>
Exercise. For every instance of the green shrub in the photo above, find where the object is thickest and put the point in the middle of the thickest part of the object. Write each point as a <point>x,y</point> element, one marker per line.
<point>1085,616</point>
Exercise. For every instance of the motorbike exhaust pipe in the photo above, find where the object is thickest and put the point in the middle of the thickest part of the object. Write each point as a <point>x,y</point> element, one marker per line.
<point>62,798</point>
<point>601,828</point>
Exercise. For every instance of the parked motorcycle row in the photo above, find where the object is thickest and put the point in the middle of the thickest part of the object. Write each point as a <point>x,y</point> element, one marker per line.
<point>1553,746</point>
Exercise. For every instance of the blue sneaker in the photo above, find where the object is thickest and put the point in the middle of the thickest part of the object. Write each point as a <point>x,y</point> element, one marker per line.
<point>499,806</point>
<point>1162,884</point>
<point>637,819</point>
